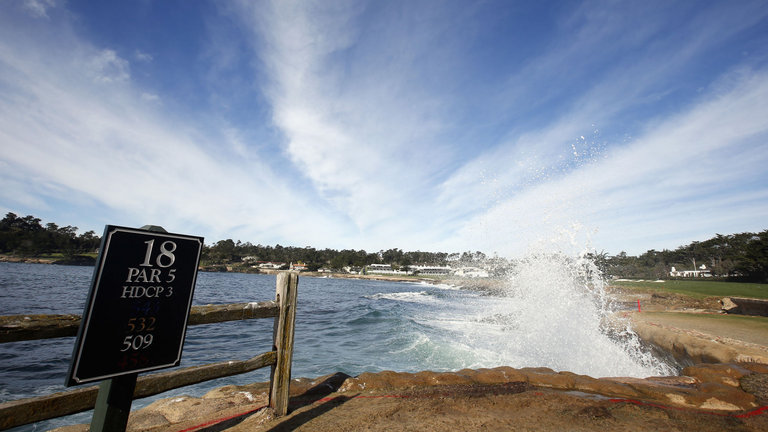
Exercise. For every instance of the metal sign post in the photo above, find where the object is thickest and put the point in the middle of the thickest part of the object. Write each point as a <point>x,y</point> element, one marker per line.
<point>135,319</point>
<point>113,403</point>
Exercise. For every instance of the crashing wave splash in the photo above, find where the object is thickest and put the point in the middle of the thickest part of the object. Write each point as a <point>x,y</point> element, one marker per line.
<point>552,310</point>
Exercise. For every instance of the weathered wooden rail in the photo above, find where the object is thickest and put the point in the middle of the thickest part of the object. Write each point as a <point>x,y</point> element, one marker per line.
<point>15,328</point>
<point>283,309</point>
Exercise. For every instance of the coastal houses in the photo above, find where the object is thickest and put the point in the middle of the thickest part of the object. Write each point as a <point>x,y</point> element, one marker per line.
<point>298,266</point>
<point>431,269</point>
<point>427,269</point>
<point>352,269</point>
<point>384,269</point>
<point>269,265</point>
<point>703,271</point>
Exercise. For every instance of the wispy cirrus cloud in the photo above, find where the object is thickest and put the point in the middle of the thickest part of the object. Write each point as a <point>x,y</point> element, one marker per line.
<point>437,126</point>
<point>701,170</point>
<point>108,67</point>
<point>361,129</point>
<point>77,129</point>
<point>38,8</point>
<point>347,124</point>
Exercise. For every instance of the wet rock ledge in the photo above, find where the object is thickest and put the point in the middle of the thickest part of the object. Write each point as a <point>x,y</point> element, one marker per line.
<point>722,391</point>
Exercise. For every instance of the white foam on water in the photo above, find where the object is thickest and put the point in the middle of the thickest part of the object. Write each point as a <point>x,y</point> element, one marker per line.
<point>442,286</point>
<point>447,287</point>
<point>418,341</point>
<point>406,296</point>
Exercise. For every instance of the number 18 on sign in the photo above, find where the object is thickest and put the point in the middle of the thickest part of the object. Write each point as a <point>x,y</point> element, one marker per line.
<point>136,314</point>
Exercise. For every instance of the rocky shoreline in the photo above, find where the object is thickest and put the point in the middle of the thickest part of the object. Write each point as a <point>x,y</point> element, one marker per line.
<point>29,260</point>
<point>725,387</point>
<point>77,260</point>
<point>703,397</point>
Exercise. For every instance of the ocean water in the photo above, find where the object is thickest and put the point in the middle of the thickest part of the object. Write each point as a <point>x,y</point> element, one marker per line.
<point>550,312</point>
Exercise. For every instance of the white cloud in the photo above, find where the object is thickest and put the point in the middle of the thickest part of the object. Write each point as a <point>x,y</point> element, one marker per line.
<point>107,67</point>
<point>382,136</point>
<point>674,182</point>
<point>150,97</point>
<point>39,8</point>
<point>362,131</point>
<point>597,95</point>
<point>142,56</point>
<point>68,137</point>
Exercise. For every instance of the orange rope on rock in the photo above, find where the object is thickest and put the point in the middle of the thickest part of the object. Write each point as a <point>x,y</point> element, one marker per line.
<point>223,419</point>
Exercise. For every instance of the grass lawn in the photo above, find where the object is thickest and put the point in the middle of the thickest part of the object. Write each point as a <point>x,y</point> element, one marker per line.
<point>760,321</point>
<point>699,288</point>
<point>752,329</point>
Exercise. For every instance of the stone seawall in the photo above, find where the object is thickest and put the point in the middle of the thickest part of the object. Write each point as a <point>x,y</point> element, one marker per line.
<point>693,338</point>
<point>745,306</point>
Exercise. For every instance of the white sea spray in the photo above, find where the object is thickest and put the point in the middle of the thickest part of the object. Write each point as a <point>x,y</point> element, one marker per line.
<point>551,310</point>
<point>563,319</point>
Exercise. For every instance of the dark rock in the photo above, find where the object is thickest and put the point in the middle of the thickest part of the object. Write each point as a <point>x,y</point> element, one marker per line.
<point>596,412</point>
<point>757,385</point>
<point>744,306</point>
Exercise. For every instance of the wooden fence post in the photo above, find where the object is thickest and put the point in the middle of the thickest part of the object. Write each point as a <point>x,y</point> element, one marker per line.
<point>280,380</point>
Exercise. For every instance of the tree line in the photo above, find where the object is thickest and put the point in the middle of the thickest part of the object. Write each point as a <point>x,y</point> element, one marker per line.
<point>26,236</point>
<point>742,256</point>
<point>229,251</point>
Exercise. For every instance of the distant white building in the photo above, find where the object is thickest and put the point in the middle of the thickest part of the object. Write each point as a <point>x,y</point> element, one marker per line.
<point>471,272</point>
<point>352,269</point>
<point>271,265</point>
<point>431,270</point>
<point>703,271</point>
<point>383,269</point>
<point>298,266</point>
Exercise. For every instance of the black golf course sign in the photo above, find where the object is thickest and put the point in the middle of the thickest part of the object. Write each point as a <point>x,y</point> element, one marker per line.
<point>135,318</point>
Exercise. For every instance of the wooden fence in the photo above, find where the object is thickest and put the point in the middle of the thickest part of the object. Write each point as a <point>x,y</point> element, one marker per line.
<point>283,309</point>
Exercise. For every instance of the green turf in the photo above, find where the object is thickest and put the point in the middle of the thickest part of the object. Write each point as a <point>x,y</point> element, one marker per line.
<point>700,288</point>
<point>730,318</point>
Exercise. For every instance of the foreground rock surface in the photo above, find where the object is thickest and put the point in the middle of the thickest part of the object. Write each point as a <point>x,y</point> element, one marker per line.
<point>706,397</point>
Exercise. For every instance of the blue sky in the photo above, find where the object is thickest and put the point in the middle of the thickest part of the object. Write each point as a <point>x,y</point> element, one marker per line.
<point>424,125</point>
